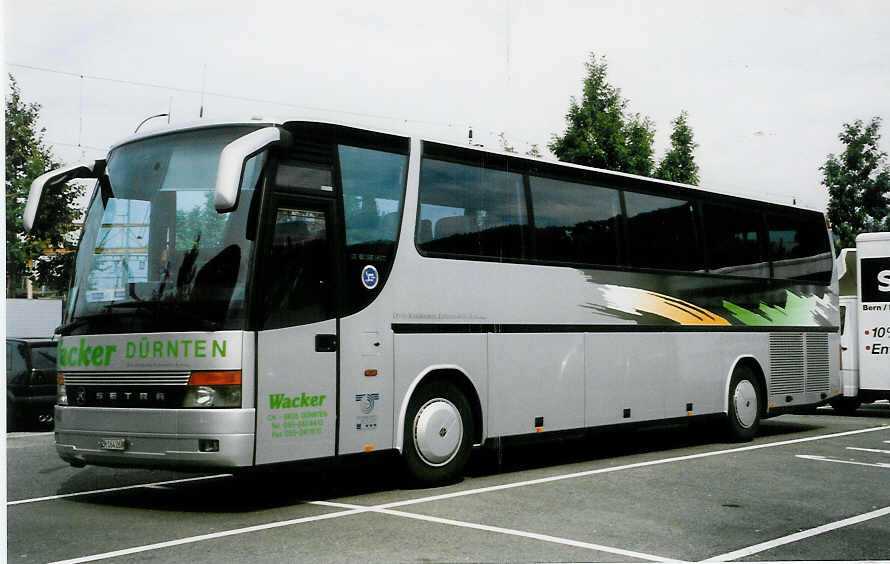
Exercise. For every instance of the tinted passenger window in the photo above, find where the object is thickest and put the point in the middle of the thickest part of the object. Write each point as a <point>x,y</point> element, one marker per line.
<point>734,241</point>
<point>373,184</point>
<point>298,277</point>
<point>575,222</point>
<point>471,210</point>
<point>661,233</point>
<point>799,247</point>
<point>304,175</point>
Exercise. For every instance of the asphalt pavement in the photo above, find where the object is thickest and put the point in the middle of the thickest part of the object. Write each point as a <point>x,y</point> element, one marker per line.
<point>809,487</point>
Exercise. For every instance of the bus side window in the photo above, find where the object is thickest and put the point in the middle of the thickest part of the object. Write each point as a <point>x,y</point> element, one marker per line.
<point>799,246</point>
<point>473,211</point>
<point>574,222</point>
<point>373,183</point>
<point>661,233</point>
<point>297,274</point>
<point>734,242</point>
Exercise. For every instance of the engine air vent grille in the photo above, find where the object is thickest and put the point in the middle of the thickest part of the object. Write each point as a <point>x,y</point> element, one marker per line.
<point>817,362</point>
<point>786,358</point>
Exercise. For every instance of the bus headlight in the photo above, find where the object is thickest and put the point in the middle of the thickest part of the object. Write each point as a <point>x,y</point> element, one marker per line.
<point>213,389</point>
<point>61,392</point>
<point>213,396</point>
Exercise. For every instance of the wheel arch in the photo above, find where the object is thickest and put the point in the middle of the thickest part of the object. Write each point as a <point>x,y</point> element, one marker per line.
<point>752,363</point>
<point>453,374</point>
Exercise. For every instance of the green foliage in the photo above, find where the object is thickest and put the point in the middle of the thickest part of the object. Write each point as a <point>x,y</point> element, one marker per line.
<point>533,150</point>
<point>200,226</point>
<point>599,133</point>
<point>27,157</point>
<point>858,183</point>
<point>505,145</point>
<point>678,164</point>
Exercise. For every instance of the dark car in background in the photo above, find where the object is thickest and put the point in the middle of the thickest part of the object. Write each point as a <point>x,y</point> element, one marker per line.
<point>30,383</point>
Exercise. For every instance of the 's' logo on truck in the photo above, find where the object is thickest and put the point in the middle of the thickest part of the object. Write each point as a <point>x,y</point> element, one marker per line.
<point>884,281</point>
<point>874,275</point>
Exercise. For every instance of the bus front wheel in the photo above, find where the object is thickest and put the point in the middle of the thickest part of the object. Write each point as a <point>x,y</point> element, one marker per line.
<point>438,433</point>
<point>744,404</point>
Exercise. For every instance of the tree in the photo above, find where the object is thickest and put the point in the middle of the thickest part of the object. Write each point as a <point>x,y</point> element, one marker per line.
<point>858,183</point>
<point>533,150</point>
<point>678,164</point>
<point>599,133</point>
<point>47,247</point>
<point>505,145</point>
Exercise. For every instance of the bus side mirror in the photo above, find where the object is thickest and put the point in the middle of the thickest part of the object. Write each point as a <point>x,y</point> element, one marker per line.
<point>53,177</point>
<point>233,158</point>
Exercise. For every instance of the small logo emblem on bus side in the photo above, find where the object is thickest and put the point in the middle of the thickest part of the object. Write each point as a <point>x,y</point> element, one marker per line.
<point>370,277</point>
<point>366,402</point>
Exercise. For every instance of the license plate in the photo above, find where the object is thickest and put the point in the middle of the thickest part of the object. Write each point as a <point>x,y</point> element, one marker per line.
<point>113,444</point>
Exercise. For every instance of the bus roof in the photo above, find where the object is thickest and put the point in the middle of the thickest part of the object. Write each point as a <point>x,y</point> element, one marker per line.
<point>255,121</point>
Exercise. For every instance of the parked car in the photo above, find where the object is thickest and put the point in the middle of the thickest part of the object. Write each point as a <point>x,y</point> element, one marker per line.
<point>30,383</point>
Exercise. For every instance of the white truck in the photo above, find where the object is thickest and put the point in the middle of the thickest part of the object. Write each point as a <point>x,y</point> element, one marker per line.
<point>864,288</point>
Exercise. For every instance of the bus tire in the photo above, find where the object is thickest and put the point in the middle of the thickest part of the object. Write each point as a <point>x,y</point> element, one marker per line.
<point>438,434</point>
<point>845,405</point>
<point>743,419</point>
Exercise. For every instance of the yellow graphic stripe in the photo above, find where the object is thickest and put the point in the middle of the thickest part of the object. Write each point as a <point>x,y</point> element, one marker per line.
<point>636,301</point>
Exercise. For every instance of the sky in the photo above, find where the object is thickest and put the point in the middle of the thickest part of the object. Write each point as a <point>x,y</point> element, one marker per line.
<point>767,85</point>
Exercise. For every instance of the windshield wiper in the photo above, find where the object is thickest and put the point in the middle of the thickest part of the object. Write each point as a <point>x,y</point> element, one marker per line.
<point>153,310</point>
<point>67,327</point>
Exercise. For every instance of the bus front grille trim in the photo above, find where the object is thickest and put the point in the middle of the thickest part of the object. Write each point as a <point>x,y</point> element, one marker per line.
<point>127,378</point>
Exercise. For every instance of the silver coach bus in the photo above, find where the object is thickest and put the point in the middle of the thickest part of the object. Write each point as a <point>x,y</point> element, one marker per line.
<point>254,293</point>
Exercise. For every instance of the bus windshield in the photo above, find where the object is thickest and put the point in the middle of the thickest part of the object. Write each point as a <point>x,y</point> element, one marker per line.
<point>156,255</point>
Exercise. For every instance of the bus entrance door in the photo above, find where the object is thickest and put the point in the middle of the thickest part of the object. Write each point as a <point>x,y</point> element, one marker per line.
<point>297,343</point>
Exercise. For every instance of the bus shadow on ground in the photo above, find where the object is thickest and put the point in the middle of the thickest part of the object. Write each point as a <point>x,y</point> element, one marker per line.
<point>257,490</point>
<point>295,484</point>
<point>522,454</point>
<point>879,410</point>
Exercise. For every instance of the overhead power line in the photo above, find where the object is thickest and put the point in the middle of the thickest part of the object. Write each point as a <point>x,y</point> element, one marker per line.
<point>223,95</point>
<point>78,146</point>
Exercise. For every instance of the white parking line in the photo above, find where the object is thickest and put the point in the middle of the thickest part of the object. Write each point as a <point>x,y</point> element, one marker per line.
<point>108,490</point>
<point>210,536</point>
<point>501,530</point>
<point>827,459</point>
<point>528,535</point>
<point>798,536</point>
<point>548,479</point>
<point>386,507</point>
<point>870,450</point>
<point>491,488</point>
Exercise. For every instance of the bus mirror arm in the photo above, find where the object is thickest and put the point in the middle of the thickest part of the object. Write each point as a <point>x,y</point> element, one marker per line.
<point>234,156</point>
<point>60,175</point>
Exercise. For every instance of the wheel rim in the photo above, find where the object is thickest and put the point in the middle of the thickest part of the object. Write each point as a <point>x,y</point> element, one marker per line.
<point>745,403</point>
<point>438,432</point>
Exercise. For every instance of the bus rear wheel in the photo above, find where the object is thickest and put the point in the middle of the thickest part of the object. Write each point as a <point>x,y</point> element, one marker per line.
<point>744,405</point>
<point>438,433</point>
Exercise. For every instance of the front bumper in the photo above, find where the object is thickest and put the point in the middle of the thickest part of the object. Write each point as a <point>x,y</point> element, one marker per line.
<point>156,438</point>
